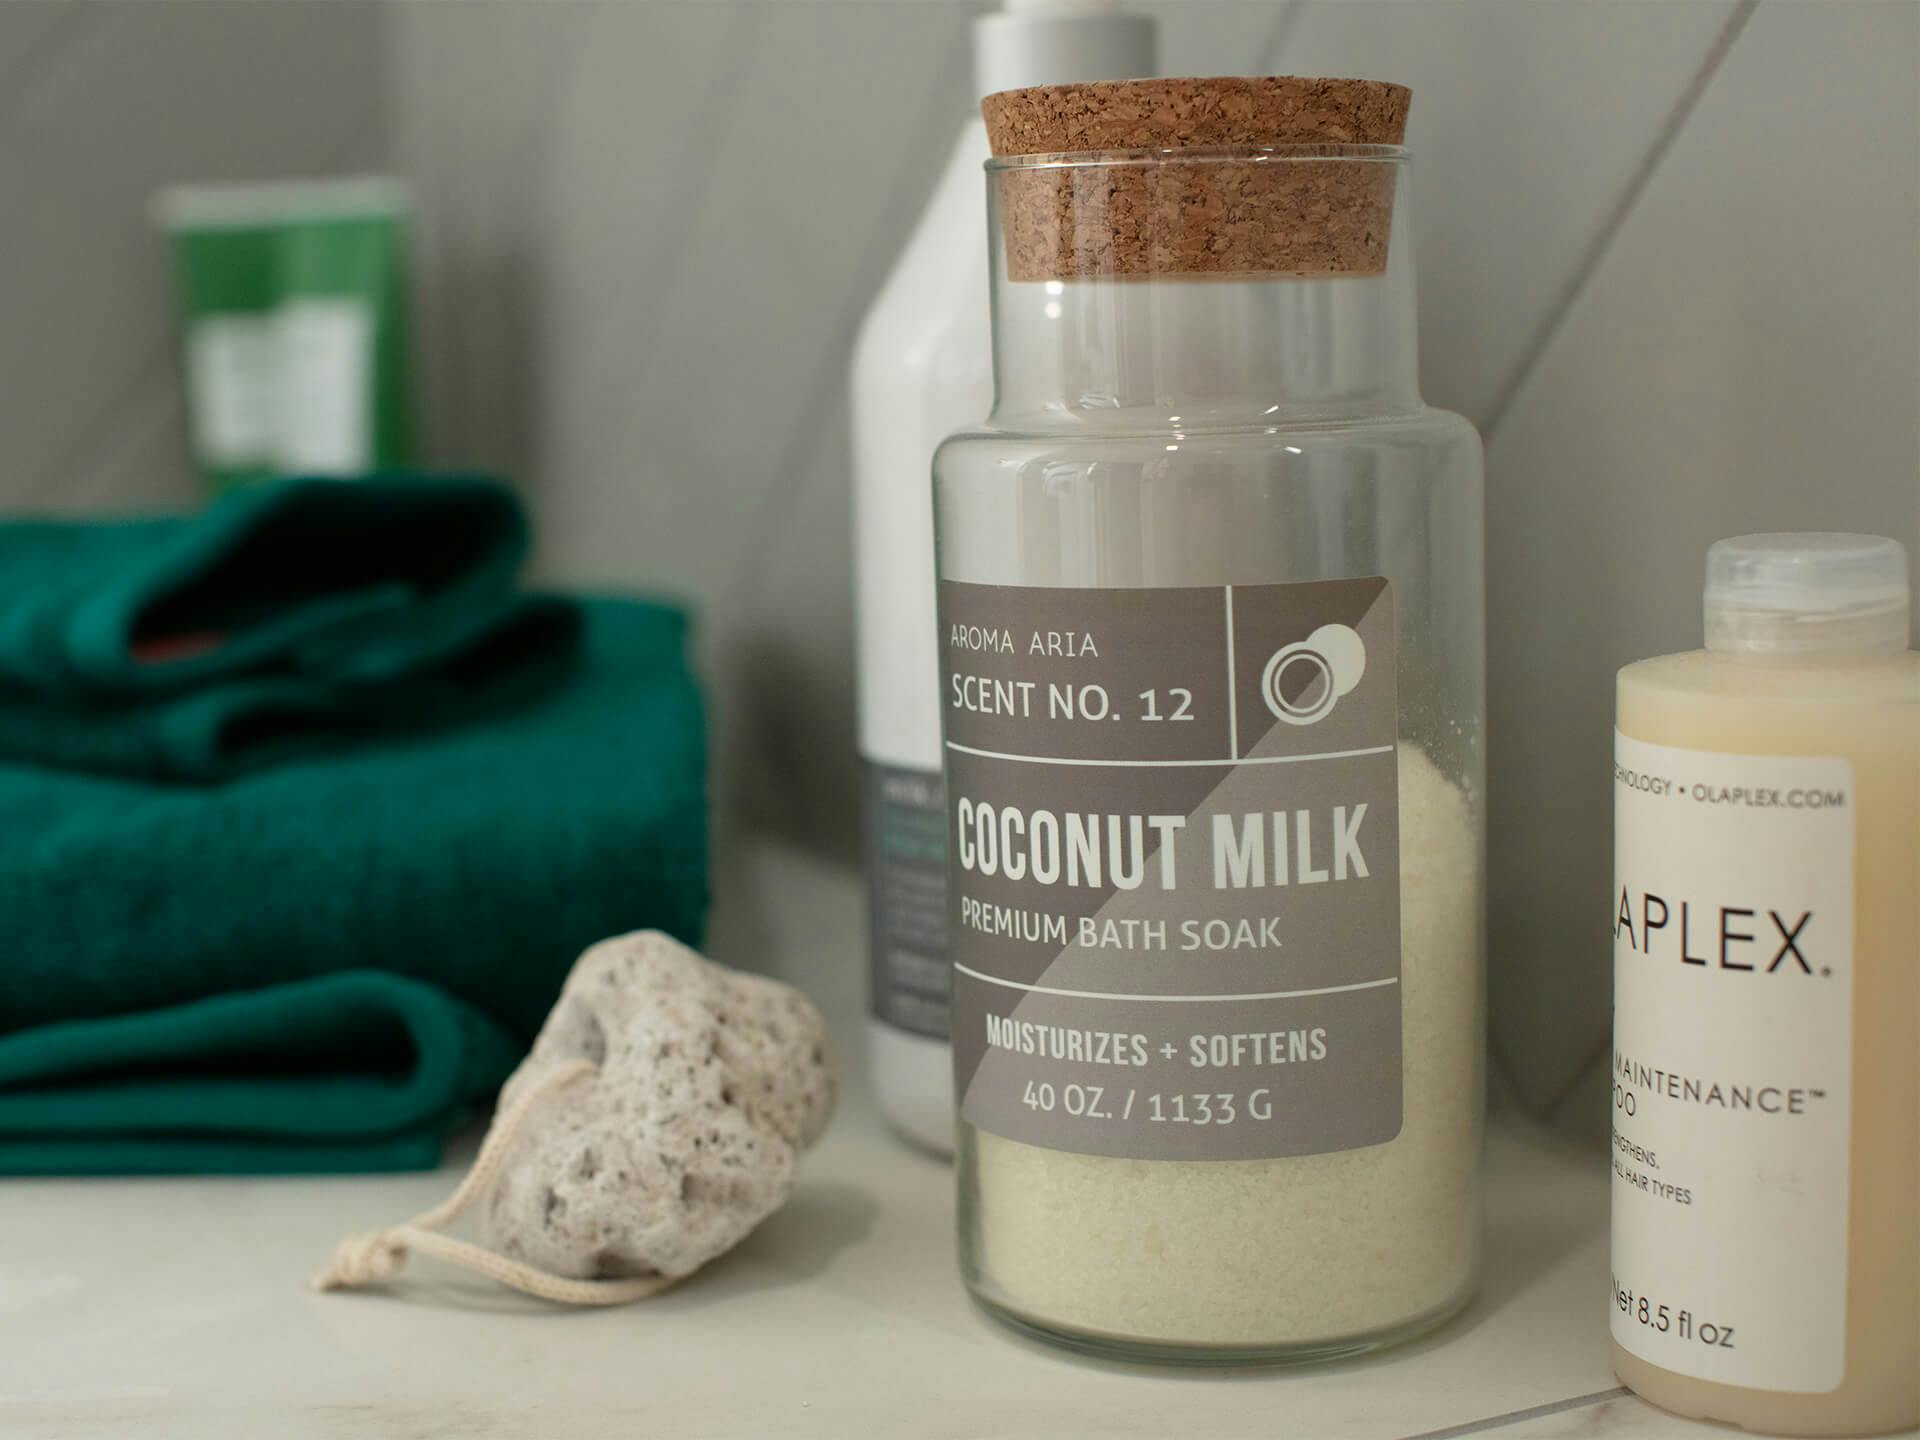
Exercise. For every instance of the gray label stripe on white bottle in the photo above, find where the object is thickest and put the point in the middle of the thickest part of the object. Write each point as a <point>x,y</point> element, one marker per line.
<point>905,835</point>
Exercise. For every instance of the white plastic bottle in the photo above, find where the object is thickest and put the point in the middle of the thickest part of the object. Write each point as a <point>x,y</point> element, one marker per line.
<point>1766,1100</point>
<point>923,369</point>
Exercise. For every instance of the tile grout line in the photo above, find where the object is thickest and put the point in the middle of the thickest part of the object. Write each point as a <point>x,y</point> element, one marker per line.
<point>819,419</point>
<point>98,434</point>
<point>469,391</point>
<point>1596,1055</point>
<point>1515,1417</point>
<point>715,121</point>
<point>46,52</point>
<point>1501,1084</point>
<point>748,571</point>
<point>813,430</point>
<point>1543,337</point>
<point>1502,1072</point>
<point>524,435</point>
<point>1616,219</point>
<point>36,65</point>
<point>1277,37</point>
<point>94,434</point>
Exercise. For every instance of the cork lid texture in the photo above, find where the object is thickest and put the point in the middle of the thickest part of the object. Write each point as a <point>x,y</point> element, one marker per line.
<point>1105,213</point>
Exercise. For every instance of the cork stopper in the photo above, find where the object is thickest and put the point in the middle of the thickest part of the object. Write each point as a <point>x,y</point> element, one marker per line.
<point>1111,215</point>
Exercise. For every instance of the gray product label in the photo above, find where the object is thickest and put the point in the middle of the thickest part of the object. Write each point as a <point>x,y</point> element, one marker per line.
<point>906,854</point>
<point>1175,866</point>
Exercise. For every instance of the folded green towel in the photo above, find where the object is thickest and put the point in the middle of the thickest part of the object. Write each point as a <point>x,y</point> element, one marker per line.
<point>182,968</point>
<point>355,1071</point>
<point>287,619</point>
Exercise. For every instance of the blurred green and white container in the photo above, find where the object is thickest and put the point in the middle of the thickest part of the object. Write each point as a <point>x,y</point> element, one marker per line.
<point>294,305</point>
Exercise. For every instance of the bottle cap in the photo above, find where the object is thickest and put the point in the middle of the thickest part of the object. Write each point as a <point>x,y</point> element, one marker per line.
<point>1807,591</point>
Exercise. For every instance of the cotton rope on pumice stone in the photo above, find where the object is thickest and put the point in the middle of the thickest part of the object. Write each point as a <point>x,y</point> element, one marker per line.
<point>379,1254</point>
<point>658,1119</point>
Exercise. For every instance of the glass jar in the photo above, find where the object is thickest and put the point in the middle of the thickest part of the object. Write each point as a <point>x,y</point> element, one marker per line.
<point>1212,646</point>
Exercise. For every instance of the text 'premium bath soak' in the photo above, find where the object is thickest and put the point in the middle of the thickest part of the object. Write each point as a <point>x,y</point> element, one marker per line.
<point>1210,631</point>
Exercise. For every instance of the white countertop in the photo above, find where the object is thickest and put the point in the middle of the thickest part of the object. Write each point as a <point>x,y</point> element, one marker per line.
<point>143,1308</point>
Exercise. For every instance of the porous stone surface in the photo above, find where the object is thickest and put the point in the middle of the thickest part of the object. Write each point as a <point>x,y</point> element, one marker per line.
<point>711,1084</point>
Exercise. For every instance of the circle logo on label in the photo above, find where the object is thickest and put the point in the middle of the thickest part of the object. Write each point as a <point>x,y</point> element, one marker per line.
<point>1304,680</point>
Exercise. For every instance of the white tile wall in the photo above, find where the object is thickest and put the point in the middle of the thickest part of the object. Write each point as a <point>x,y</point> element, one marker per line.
<point>692,203</point>
<point>1668,254</point>
<point>101,103</point>
<point>1745,356</point>
<point>1530,123</point>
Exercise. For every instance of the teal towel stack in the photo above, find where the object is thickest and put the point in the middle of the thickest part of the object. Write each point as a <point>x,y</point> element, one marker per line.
<point>287,620</point>
<point>308,813</point>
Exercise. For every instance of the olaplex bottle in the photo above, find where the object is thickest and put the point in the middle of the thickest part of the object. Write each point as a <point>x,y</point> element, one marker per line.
<point>1211,643</point>
<point>1766,914</point>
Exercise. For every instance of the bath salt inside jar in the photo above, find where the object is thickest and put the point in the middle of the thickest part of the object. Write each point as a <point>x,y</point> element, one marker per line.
<point>1211,643</point>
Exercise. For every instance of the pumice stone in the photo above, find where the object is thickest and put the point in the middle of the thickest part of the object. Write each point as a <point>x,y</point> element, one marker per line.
<point>709,1086</point>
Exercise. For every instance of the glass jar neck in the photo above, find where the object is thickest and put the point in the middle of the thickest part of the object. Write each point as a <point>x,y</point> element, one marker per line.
<point>1116,326</point>
<point>1168,353</point>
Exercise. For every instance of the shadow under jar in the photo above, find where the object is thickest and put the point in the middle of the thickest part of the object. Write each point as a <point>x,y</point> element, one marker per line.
<point>1212,679</point>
